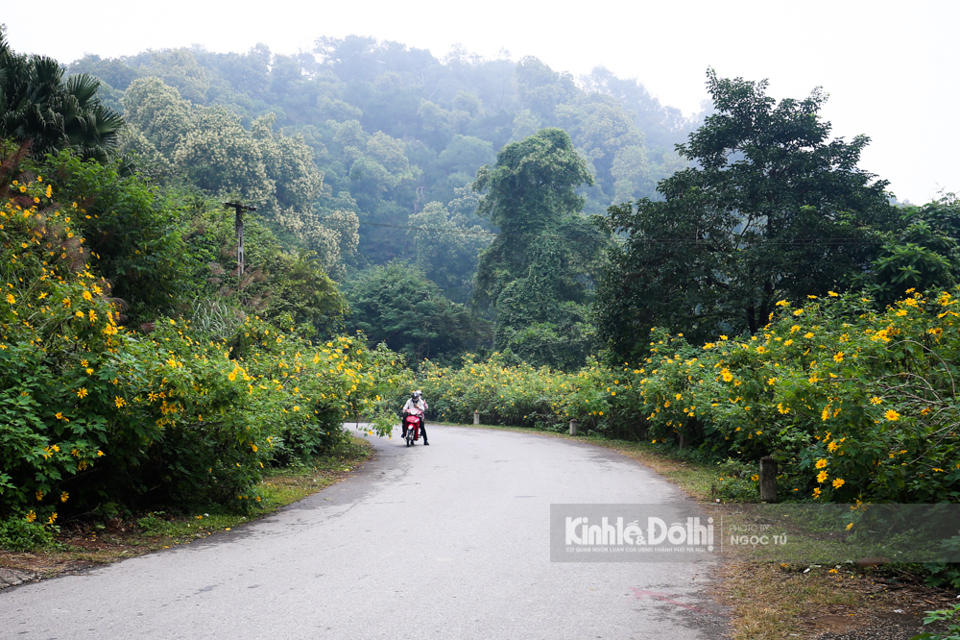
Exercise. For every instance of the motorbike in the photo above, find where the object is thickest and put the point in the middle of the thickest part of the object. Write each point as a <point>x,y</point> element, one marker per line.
<point>412,422</point>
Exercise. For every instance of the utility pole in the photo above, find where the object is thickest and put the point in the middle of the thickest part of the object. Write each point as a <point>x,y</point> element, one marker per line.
<point>239,208</point>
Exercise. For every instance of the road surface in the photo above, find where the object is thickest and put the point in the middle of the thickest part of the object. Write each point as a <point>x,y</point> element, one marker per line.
<point>446,542</point>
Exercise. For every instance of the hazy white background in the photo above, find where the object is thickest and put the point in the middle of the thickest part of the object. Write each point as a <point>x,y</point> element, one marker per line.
<point>890,67</point>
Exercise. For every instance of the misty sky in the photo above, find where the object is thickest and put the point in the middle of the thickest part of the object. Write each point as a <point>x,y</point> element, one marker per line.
<point>890,67</point>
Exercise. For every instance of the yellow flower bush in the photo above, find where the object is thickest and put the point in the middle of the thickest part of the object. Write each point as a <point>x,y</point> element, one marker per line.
<point>99,416</point>
<point>869,394</point>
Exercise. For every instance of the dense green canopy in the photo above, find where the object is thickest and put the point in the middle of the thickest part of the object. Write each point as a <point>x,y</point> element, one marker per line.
<point>536,274</point>
<point>771,209</point>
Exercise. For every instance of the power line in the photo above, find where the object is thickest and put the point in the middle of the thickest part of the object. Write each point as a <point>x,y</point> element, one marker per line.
<point>839,242</point>
<point>813,242</point>
<point>466,232</point>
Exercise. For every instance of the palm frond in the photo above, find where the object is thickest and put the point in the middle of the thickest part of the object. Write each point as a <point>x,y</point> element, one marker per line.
<point>38,105</point>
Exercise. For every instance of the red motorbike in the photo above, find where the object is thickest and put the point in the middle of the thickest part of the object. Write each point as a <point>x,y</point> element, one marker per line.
<point>412,422</point>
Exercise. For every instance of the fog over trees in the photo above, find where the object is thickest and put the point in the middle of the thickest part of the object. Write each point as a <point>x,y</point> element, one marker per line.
<point>212,261</point>
<point>481,178</point>
<point>366,152</point>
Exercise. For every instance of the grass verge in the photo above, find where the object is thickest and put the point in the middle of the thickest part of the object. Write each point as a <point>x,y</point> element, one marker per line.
<point>83,545</point>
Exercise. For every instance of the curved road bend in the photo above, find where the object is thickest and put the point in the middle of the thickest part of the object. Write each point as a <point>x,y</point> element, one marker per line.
<point>446,542</point>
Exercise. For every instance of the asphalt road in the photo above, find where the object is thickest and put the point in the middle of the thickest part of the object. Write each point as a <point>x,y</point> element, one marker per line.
<point>450,541</point>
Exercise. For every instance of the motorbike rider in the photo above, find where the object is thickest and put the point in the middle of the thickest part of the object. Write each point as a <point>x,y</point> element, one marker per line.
<point>417,402</point>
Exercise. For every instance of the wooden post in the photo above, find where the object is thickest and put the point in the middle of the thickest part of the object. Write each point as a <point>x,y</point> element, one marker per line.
<point>768,479</point>
<point>476,417</point>
<point>238,227</point>
<point>573,427</point>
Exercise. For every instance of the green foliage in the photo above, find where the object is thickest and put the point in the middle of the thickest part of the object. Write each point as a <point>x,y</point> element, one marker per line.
<point>395,304</point>
<point>221,378</point>
<point>951,616</point>
<point>96,417</point>
<point>921,253</point>
<point>289,289</point>
<point>773,210</point>
<point>944,574</point>
<point>531,188</point>
<point>132,234</point>
<point>541,89</point>
<point>536,272</point>
<point>861,401</point>
<point>738,481</point>
<point>447,246</point>
<point>275,172</point>
<point>390,129</point>
<point>304,296</point>
<point>158,112</point>
<point>220,156</point>
<point>503,391</point>
<point>20,535</point>
<point>563,344</point>
<point>38,106</point>
<point>853,403</point>
<point>605,133</point>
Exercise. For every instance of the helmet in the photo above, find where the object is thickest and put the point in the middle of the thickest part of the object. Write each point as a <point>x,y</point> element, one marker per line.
<point>417,394</point>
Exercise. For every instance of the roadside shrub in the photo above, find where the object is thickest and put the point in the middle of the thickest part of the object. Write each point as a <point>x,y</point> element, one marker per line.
<point>513,394</point>
<point>23,535</point>
<point>854,403</point>
<point>94,416</point>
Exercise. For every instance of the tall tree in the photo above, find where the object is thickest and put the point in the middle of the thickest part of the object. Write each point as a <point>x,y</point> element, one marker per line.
<point>600,127</point>
<point>772,210</point>
<point>220,156</point>
<point>541,89</point>
<point>537,270</point>
<point>158,112</point>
